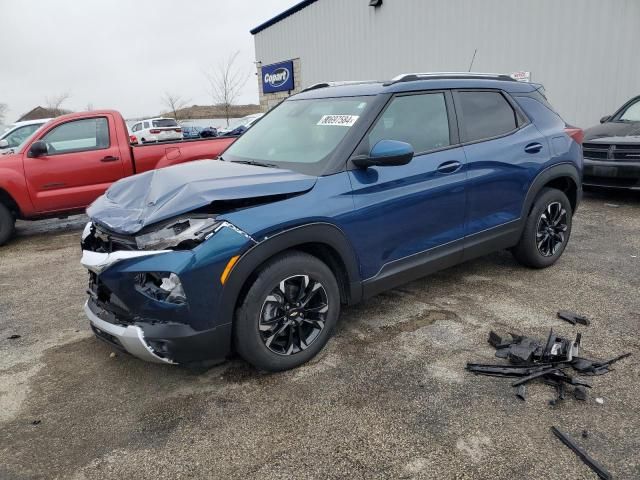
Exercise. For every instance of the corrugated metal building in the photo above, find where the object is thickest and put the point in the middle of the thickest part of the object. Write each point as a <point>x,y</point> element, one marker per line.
<point>585,52</point>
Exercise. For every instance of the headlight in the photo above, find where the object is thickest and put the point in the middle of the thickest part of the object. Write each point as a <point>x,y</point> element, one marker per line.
<point>190,231</point>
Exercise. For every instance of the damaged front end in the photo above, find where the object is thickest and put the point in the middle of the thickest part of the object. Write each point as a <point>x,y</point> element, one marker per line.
<point>151,293</point>
<point>158,251</point>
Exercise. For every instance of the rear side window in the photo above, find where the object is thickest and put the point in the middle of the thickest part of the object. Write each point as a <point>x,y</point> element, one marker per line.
<point>146,124</point>
<point>420,120</point>
<point>165,122</point>
<point>486,115</point>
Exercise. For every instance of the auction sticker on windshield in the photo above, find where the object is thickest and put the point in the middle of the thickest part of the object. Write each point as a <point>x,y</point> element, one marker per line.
<point>339,120</point>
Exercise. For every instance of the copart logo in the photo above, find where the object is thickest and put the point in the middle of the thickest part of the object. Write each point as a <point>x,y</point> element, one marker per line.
<point>277,78</point>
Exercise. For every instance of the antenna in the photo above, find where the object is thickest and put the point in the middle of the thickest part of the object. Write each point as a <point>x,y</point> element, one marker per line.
<point>472,59</point>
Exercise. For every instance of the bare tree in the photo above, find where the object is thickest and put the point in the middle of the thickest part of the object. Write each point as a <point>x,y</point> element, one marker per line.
<point>226,81</point>
<point>174,103</point>
<point>89,107</point>
<point>3,111</point>
<point>55,103</point>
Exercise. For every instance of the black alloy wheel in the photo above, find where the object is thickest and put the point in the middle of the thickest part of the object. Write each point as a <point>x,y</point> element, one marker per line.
<point>288,313</point>
<point>550,232</point>
<point>546,230</point>
<point>293,315</point>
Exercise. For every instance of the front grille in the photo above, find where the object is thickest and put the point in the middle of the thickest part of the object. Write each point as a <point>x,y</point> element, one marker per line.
<point>611,152</point>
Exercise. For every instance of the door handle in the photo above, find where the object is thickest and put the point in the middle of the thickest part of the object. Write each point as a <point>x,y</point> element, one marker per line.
<point>110,158</point>
<point>449,167</point>
<point>533,147</point>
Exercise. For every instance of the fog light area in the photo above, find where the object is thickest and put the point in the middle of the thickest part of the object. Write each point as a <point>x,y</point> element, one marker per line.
<point>162,286</point>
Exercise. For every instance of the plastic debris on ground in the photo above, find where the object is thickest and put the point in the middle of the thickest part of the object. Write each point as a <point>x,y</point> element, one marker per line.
<point>556,362</point>
<point>573,318</point>
<point>582,454</point>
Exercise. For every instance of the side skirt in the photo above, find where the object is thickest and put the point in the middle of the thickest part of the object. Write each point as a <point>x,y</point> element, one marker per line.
<point>416,266</point>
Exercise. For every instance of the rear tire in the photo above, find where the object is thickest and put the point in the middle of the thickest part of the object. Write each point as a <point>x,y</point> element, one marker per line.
<point>547,230</point>
<point>288,313</point>
<point>7,224</point>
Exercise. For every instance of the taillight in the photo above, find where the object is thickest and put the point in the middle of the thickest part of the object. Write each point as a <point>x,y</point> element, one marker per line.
<point>133,139</point>
<point>178,130</point>
<point>154,132</point>
<point>576,133</point>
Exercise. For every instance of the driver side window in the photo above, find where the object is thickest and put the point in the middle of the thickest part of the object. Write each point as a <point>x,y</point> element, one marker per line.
<point>420,120</point>
<point>78,136</point>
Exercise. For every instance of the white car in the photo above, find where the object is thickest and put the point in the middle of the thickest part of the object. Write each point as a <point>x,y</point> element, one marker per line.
<point>245,122</point>
<point>18,132</point>
<point>155,130</point>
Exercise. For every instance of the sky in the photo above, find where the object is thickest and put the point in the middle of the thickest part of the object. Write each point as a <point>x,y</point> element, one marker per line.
<point>123,54</point>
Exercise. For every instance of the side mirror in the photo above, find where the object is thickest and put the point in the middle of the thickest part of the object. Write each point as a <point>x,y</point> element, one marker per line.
<point>605,119</point>
<point>4,144</point>
<point>386,153</point>
<point>38,149</point>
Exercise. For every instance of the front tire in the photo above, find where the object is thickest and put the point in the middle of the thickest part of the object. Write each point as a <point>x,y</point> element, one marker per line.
<point>7,224</point>
<point>288,313</point>
<point>547,230</point>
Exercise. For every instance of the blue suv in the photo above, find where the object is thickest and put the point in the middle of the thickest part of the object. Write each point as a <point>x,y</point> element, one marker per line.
<point>341,192</point>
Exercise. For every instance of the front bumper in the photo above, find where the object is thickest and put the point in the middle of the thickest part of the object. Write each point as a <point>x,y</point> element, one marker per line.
<point>129,338</point>
<point>611,174</point>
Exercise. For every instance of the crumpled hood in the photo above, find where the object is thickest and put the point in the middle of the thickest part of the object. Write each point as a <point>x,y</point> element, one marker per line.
<point>135,202</point>
<point>612,129</point>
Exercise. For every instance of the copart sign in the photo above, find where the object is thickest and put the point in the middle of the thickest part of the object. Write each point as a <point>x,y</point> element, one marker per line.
<point>278,77</point>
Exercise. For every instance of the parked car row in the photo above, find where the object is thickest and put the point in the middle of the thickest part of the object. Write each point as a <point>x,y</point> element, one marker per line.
<point>155,130</point>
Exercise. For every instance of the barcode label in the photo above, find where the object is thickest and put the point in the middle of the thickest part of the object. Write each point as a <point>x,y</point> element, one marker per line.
<point>339,120</point>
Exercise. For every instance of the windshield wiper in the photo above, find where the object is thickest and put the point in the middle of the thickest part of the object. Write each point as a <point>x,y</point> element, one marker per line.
<point>257,164</point>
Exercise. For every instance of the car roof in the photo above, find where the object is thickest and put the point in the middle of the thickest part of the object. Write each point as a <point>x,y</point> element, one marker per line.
<point>29,122</point>
<point>416,82</point>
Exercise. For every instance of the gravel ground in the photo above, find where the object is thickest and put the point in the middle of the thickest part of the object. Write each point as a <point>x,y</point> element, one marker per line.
<point>387,398</point>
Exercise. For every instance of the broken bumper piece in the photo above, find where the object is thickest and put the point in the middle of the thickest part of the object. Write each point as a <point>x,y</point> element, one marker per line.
<point>130,338</point>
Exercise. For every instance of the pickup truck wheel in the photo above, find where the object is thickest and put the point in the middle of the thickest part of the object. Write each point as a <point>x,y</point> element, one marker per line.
<point>547,230</point>
<point>288,313</point>
<point>7,224</point>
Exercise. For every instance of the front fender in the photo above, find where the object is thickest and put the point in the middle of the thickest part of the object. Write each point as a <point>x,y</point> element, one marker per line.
<point>14,185</point>
<point>319,233</point>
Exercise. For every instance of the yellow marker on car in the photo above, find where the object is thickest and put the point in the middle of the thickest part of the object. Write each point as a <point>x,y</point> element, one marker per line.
<point>228,268</point>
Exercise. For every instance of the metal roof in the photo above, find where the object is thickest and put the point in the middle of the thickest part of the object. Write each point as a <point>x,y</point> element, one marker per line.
<point>287,13</point>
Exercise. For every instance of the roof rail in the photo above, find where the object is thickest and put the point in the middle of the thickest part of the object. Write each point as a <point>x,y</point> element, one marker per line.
<point>315,86</point>
<point>411,77</point>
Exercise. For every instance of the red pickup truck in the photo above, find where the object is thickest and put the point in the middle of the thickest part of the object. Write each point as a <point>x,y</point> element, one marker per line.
<point>72,160</point>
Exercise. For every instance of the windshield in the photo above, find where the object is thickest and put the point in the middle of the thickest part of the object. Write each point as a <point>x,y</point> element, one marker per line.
<point>632,113</point>
<point>299,134</point>
<point>164,122</point>
<point>19,135</point>
<point>25,140</point>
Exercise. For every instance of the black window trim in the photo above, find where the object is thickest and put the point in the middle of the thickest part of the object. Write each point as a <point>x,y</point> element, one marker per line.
<point>79,150</point>
<point>454,134</point>
<point>623,109</point>
<point>522,119</point>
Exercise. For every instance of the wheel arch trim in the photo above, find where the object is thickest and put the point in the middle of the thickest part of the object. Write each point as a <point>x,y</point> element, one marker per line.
<point>566,170</point>
<point>317,233</point>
